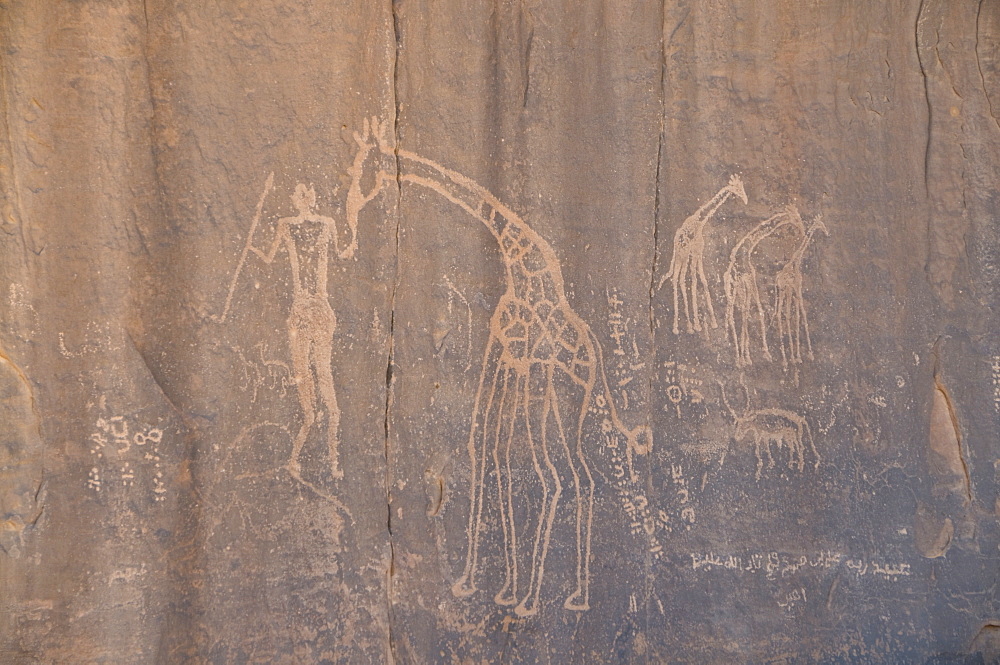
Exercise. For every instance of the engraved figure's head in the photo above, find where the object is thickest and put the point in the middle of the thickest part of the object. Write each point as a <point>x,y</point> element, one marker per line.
<point>736,187</point>
<point>304,198</point>
<point>818,225</point>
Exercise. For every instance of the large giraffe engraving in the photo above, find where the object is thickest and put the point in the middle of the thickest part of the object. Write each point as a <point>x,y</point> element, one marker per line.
<point>687,264</point>
<point>740,282</point>
<point>789,306</point>
<point>542,370</point>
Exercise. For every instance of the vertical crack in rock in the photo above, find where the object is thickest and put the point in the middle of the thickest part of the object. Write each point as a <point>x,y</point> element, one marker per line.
<point>979,66</point>
<point>10,212</point>
<point>392,321</point>
<point>153,123</point>
<point>927,100</point>
<point>528,41</point>
<point>651,373</point>
<point>946,434</point>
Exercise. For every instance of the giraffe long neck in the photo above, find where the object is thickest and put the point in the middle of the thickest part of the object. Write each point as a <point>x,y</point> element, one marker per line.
<point>463,192</point>
<point>749,242</point>
<point>705,212</point>
<point>503,223</point>
<point>800,251</point>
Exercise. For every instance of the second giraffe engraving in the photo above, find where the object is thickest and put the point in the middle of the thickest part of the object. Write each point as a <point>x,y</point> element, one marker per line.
<point>542,372</point>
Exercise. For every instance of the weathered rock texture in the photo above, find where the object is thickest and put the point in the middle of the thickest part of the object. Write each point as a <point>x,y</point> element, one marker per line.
<point>592,331</point>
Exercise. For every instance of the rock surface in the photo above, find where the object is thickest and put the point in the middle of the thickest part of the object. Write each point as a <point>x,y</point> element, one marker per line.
<point>350,331</point>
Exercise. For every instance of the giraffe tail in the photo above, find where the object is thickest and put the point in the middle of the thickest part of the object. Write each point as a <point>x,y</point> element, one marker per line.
<point>640,439</point>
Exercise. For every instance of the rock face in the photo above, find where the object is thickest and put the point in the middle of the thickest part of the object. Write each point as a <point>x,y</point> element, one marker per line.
<point>353,331</point>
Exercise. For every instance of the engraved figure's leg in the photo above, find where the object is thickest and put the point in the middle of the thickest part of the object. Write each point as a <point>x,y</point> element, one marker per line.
<point>674,266</point>
<point>685,288</point>
<point>583,484</point>
<point>780,305</point>
<point>693,267</point>
<point>731,313</point>
<point>743,347</point>
<point>301,348</point>
<point>507,415</point>
<point>797,437</point>
<point>805,324</point>
<point>708,292</point>
<point>322,351</point>
<point>759,453</point>
<point>546,514</point>
<point>465,585</point>
<point>760,316</point>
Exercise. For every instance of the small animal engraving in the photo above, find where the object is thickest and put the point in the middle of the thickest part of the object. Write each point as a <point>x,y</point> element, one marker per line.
<point>778,427</point>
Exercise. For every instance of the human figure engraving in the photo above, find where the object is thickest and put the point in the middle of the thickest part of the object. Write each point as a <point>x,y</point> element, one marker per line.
<point>306,238</point>
<point>789,305</point>
<point>540,355</point>
<point>687,265</point>
<point>740,282</point>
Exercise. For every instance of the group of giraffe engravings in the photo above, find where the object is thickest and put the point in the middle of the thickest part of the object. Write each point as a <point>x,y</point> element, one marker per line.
<point>687,272</point>
<point>542,374</point>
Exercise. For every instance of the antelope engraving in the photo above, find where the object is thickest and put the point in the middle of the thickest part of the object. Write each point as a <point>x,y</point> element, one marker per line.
<point>778,427</point>
<point>542,370</point>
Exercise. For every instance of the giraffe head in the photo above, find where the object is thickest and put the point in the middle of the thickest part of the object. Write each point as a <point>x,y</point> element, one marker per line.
<point>374,163</point>
<point>736,187</point>
<point>818,225</point>
<point>794,218</point>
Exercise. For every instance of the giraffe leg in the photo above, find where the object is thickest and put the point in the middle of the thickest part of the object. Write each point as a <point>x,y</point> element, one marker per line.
<point>763,323</point>
<point>759,453</point>
<point>731,317</point>
<point>466,585</point>
<point>546,514</point>
<point>744,345</point>
<point>695,312</point>
<point>583,483</point>
<point>686,289</point>
<point>795,317</point>
<point>673,278</point>
<point>780,315</point>
<point>805,324</point>
<point>301,348</point>
<point>708,292</point>
<point>509,406</point>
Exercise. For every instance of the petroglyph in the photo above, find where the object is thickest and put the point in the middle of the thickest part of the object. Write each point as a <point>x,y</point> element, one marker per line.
<point>740,282</point>
<point>995,366</point>
<point>687,264</point>
<point>454,293</point>
<point>683,492</point>
<point>122,452</point>
<point>542,370</point>
<point>789,305</point>
<point>264,373</point>
<point>778,427</point>
<point>306,238</point>
<point>683,386</point>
